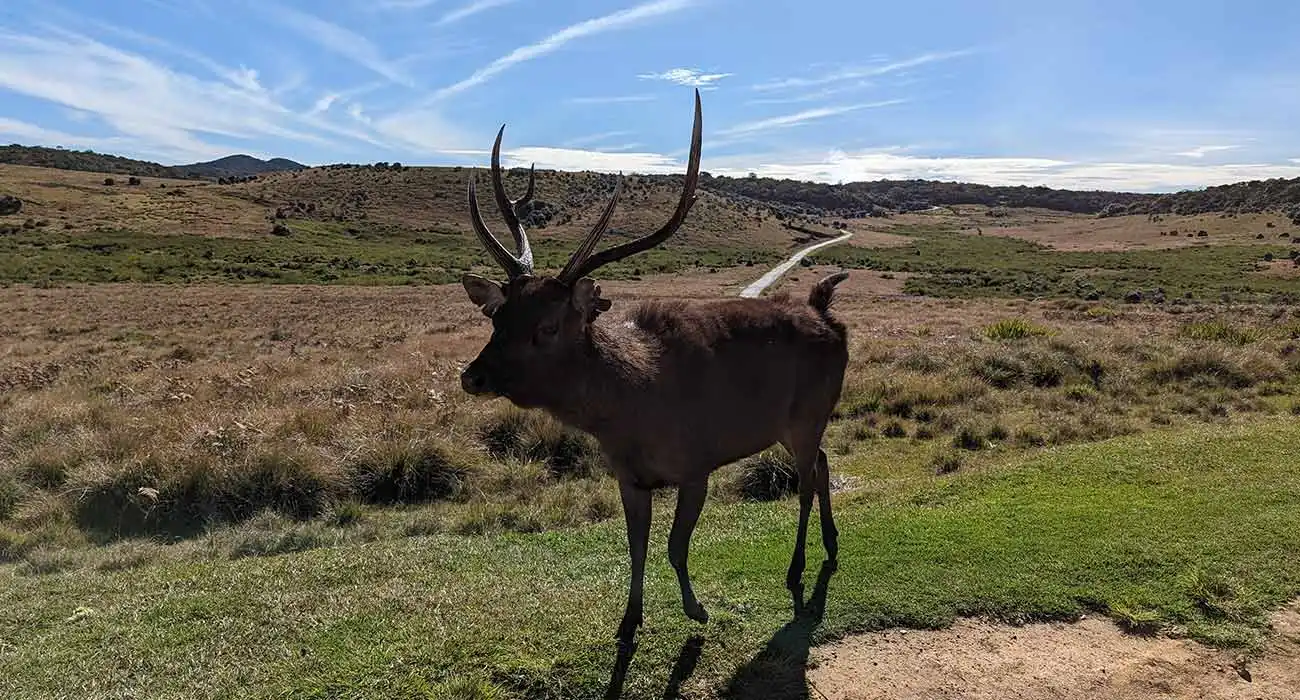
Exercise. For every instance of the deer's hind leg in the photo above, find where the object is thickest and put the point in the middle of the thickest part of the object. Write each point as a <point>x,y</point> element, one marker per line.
<point>805,446</point>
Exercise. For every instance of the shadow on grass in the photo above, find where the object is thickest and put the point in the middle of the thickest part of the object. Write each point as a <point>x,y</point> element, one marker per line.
<point>687,659</point>
<point>779,671</point>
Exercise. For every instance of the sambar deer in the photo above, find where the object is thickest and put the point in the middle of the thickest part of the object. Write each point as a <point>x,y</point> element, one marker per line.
<point>675,392</point>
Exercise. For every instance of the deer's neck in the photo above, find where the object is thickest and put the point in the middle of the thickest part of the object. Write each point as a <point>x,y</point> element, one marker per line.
<point>603,379</point>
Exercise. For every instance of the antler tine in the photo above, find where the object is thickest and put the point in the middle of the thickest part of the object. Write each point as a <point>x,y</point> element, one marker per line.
<point>570,274</point>
<point>623,250</point>
<point>508,262</point>
<point>510,209</point>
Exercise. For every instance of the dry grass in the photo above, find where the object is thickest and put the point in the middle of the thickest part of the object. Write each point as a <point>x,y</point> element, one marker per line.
<point>80,202</point>
<point>136,410</point>
<point>421,200</point>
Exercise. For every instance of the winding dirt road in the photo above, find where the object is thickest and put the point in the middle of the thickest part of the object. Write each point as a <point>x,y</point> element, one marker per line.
<point>775,273</point>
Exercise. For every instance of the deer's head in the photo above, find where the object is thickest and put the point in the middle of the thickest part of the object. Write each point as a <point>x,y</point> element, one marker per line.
<point>541,322</point>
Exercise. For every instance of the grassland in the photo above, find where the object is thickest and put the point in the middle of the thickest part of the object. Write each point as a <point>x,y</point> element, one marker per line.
<point>951,258</point>
<point>278,490</point>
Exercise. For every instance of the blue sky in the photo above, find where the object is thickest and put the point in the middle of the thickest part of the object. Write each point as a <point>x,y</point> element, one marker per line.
<point>1150,95</point>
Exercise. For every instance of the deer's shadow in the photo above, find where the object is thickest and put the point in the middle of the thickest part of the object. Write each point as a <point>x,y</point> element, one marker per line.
<point>687,659</point>
<point>779,671</point>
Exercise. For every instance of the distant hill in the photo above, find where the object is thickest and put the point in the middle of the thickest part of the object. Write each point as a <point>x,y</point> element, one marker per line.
<point>87,161</point>
<point>1276,194</point>
<point>866,198</point>
<point>789,199</point>
<point>239,166</point>
<point>90,161</point>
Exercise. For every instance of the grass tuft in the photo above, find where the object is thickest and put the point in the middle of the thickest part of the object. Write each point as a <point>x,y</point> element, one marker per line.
<point>1015,329</point>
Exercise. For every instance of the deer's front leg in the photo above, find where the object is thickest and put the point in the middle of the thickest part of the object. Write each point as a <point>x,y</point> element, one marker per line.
<point>690,501</point>
<point>636,511</point>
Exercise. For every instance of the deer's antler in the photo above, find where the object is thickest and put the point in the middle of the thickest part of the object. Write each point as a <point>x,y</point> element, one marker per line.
<point>583,262</point>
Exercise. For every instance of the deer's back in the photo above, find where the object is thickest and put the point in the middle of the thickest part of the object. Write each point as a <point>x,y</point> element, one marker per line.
<point>734,376</point>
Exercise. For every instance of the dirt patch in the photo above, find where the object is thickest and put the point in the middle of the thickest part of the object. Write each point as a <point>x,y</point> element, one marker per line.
<point>1278,268</point>
<point>1090,659</point>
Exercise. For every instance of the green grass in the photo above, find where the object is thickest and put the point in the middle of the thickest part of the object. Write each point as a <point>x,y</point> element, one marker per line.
<point>1014,329</point>
<point>314,253</point>
<point>1193,529</point>
<point>948,264</point>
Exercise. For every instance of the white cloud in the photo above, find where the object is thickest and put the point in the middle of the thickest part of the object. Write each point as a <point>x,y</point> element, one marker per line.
<point>691,77</point>
<point>1202,151</point>
<point>839,166</point>
<point>788,120</point>
<point>470,10</point>
<point>598,161</point>
<point>599,25</point>
<point>339,40</point>
<point>613,99</point>
<point>859,73</point>
<point>324,102</point>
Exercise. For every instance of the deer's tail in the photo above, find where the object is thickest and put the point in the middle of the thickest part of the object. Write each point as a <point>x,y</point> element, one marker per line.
<point>822,293</point>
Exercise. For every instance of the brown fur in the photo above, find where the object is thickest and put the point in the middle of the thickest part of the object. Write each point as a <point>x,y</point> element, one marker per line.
<point>683,389</point>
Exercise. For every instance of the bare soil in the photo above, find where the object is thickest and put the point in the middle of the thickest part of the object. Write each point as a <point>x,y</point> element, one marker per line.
<point>1092,659</point>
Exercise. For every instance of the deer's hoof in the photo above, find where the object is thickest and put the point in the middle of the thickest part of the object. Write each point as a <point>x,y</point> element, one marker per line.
<point>697,612</point>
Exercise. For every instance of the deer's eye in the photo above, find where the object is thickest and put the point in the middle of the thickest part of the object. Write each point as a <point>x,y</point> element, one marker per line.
<point>547,331</point>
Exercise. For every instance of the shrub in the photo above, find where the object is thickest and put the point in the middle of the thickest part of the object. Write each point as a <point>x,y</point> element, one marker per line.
<point>10,205</point>
<point>768,476</point>
<point>968,438</point>
<point>108,181</point>
<point>535,436</point>
<point>415,471</point>
<point>894,429</point>
<point>946,463</point>
<point>1205,364</point>
<point>11,493</point>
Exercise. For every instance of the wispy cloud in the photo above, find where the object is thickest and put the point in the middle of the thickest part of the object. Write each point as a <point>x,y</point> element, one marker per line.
<point>405,4</point>
<point>339,40</point>
<point>691,77</point>
<point>816,96</point>
<point>786,121</point>
<point>590,139</point>
<point>169,115</point>
<point>861,72</point>
<point>612,99</point>
<point>470,10</point>
<point>13,128</point>
<point>1202,151</point>
<point>599,25</point>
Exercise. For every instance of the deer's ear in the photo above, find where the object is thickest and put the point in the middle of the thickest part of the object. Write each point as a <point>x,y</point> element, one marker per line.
<point>587,300</point>
<point>486,294</point>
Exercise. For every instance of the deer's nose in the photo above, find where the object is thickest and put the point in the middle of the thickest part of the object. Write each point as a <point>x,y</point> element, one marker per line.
<point>473,381</point>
